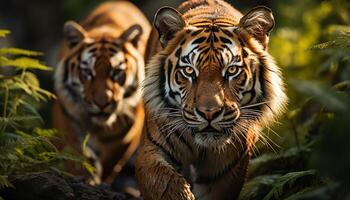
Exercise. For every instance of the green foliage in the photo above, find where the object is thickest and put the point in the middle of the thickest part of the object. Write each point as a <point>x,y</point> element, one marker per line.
<point>24,147</point>
<point>17,51</point>
<point>314,53</point>
<point>3,33</point>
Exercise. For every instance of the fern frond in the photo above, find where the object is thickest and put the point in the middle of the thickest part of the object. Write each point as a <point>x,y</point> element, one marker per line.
<point>4,33</point>
<point>286,182</point>
<point>18,51</point>
<point>23,63</point>
<point>24,148</point>
<point>29,84</point>
<point>4,183</point>
<point>341,41</point>
<point>258,187</point>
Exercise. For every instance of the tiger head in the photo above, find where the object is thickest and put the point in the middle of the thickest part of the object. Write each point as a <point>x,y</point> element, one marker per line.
<point>100,73</point>
<point>214,78</point>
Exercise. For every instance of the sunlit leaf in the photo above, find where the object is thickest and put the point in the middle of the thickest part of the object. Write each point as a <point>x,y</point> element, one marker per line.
<point>17,51</point>
<point>3,32</point>
<point>23,63</point>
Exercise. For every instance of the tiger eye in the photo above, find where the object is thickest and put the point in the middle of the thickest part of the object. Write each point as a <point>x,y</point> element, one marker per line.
<point>232,70</point>
<point>189,70</point>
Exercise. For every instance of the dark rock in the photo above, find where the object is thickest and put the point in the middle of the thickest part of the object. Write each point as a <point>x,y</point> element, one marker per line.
<point>53,186</point>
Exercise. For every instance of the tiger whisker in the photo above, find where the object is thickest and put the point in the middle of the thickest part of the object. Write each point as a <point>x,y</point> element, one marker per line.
<point>256,104</point>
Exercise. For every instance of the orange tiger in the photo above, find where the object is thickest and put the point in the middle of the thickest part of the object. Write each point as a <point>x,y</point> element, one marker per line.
<point>210,88</point>
<point>98,83</point>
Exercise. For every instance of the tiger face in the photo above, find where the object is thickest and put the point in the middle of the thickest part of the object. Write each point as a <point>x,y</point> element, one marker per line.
<point>100,75</point>
<point>217,80</point>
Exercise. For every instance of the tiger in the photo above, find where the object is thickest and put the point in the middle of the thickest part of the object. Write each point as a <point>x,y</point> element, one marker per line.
<point>210,88</point>
<point>98,86</point>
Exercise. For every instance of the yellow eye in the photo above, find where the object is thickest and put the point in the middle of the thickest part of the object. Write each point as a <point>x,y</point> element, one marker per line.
<point>232,70</point>
<point>189,71</point>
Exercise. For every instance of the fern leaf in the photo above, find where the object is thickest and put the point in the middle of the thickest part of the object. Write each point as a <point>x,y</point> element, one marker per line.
<point>17,51</point>
<point>258,187</point>
<point>341,41</point>
<point>47,133</point>
<point>286,182</point>
<point>3,32</point>
<point>4,183</point>
<point>23,63</point>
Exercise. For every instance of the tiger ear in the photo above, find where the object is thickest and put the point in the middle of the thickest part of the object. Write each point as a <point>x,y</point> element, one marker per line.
<point>132,34</point>
<point>167,21</point>
<point>258,22</point>
<point>73,33</point>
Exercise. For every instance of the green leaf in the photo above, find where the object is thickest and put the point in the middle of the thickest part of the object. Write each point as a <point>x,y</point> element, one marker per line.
<point>23,63</point>
<point>292,159</point>
<point>24,146</point>
<point>29,84</point>
<point>17,51</point>
<point>48,133</point>
<point>3,32</point>
<point>4,183</point>
<point>330,98</point>
<point>258,187</point>
<point>285,183</point>
<point>341,41</point>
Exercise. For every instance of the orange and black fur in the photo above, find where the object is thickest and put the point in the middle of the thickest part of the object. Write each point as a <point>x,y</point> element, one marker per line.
<point>98,83</point>
<point>210,88</point>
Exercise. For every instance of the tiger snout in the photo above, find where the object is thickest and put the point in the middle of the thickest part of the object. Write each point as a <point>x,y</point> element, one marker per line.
<point>102,105</point>
<point>213,113</point>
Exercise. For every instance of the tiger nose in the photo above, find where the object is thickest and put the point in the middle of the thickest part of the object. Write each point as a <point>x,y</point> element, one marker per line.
<point>209,113</point>
<point>103,101</point>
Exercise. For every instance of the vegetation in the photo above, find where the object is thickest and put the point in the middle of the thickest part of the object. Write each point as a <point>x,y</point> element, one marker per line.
<point>309,158</point>
<point>24,146</point>
<point>312,158</point>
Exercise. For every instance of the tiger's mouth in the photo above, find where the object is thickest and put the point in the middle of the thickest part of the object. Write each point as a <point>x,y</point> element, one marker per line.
<point>101,115</point>
<point>209,131</point>
<point>103,118</point>
<point>211,137</point>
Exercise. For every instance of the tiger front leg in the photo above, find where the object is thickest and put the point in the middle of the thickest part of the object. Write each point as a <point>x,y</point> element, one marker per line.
<point>158,180</point>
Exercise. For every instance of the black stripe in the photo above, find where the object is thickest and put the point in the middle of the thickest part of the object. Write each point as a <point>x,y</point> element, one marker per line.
<point>195,33</point>
<point>225,40</point>
<point>162,80</point>
<point>170,69</point>
<point>178,52</point>
<point>252,91</point>
<point>199,40</point>
<point>228,33</point>
<point>130,90</point>
<point>73,93</point>
<point>66,70</point>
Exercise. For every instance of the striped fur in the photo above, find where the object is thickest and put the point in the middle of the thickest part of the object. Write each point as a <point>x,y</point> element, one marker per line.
<point>98,84</point>
<point>211,58</point>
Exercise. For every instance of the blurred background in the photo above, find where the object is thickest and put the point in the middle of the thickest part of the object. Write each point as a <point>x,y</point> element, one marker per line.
<point>307,154</point>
